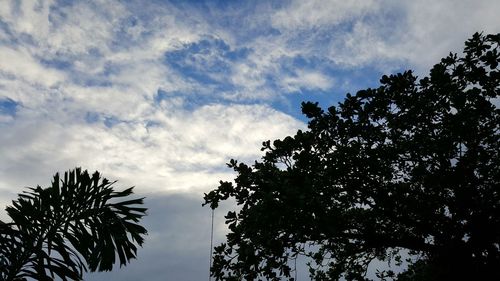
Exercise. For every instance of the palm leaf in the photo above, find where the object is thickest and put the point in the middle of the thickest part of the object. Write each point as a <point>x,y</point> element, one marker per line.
<point>77,223</point>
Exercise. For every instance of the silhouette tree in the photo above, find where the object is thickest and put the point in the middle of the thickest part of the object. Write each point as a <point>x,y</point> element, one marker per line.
<point>79,223</point>
<point>404,173</point>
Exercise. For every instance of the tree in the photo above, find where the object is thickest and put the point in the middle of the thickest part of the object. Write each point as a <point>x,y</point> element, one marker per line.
<point>78,223</point>
<point>406,172</point>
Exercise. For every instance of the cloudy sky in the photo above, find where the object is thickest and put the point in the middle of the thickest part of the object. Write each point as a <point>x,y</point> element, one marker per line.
<point>160,95</point>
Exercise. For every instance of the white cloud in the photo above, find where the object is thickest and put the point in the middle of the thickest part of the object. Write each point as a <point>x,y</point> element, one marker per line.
<point>120,102</point>
<point>27,17</point>
<point>434,28</point>
<point>413,34</point>
<point>309,80</point>
<point>6,118</point>
<point>300,15</point>
<point>383,34</point>
<point>185,151</point>
<point>20,64</point>
<point>263,62</point>
<point>83,26</point>
<point>248,76</point>
<point>54,102</point>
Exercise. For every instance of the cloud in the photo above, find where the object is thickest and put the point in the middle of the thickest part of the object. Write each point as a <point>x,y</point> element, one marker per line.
<point>306,80</point>
<point>161,95</point>
<point>19,64</point>
<point>432,28</point>
<point>182,151</point>
<point>87,100</point>
<point>178,245</point>
<point>387,35</point>
<point>307,15</point>
<point>179,91</point>
<point>26,17</point>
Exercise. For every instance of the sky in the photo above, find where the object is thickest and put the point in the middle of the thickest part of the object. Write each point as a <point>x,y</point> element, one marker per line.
<point>161,94</point>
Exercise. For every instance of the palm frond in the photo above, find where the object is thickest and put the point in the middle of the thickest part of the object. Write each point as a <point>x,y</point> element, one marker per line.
<point>79,223</point>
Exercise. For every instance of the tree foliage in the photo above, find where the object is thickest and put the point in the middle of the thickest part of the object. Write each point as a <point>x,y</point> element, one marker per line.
<point>408,169</point>
<point>78,223</point>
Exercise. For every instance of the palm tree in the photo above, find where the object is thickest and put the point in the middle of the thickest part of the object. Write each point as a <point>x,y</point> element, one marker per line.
<point>77,224</point>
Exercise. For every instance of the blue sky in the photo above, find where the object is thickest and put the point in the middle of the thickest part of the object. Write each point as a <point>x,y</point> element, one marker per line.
<point>161,94</point>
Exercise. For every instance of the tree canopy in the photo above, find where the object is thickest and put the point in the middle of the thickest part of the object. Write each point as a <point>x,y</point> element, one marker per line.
<point>405,173</point>
<point>78,223</point>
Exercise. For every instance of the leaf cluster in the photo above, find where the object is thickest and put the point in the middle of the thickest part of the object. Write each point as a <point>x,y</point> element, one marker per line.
<point>410,166</point>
